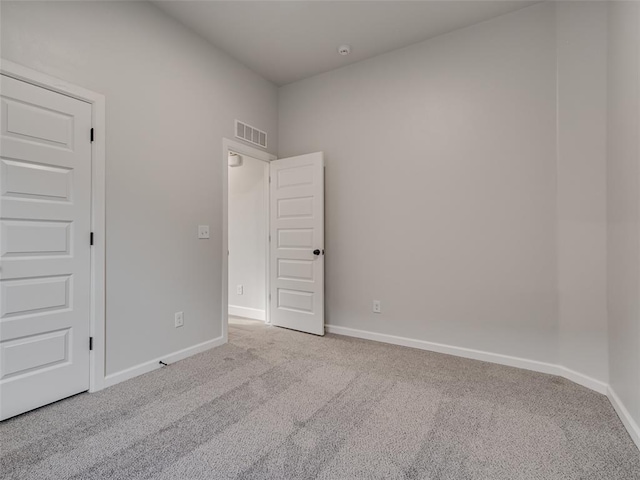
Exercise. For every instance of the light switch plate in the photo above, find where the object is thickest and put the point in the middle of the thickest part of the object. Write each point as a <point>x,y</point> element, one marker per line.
<point>203,231</point>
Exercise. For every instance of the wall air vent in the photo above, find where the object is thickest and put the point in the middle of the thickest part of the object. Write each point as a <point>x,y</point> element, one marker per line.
<point>251,134</point>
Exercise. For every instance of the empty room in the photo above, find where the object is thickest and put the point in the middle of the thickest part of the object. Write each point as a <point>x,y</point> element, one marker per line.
<point>375,239</point>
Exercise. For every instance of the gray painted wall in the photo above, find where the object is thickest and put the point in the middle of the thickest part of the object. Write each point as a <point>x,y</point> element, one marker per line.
<point>455,192</point>
<point>623,182</point>
<point>582,187</point>
<point>170,98</point>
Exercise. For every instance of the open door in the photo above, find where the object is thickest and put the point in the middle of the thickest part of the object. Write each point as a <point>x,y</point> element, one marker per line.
<point>297,243</point>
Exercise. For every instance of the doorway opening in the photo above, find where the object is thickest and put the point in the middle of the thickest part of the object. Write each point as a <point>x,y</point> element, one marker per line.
<point>248,210</point>
<point>273,239</point>
<point>246,238</point>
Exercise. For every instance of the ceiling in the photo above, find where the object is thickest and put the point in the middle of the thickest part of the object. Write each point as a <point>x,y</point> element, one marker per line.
<point>285,41</point>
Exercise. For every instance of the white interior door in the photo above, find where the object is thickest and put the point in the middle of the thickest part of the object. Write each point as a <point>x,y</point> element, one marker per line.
<point>45,208</point>
<point>297,243</point>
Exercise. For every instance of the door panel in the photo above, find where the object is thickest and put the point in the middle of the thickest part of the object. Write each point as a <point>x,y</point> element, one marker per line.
<point>31,295</point>
<point>301,270</point>
<point>34,352</point>
<point>297,229</point>
<point>28,238</point>
<point>39,182</point>
<point>45,208</point>
<point>298,238</point>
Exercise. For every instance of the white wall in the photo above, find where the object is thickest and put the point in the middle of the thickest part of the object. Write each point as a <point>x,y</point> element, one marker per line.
<point>248,202</point>
<point>170,98</point>
<point>581,193</point>
<point>442,179</point>
<point>623,187</point>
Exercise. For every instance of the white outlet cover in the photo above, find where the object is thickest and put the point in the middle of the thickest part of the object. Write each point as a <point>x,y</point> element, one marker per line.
<point>377,306</point>
<point>240,290</point>
<point>179,319</point>
<point>203,231</point>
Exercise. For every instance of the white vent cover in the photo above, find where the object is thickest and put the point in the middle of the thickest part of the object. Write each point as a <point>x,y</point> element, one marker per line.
<point>251,134</point>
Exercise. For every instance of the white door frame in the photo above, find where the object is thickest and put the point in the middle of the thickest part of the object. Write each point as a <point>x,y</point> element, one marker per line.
<point>97,101</point>
<point>229,145</point>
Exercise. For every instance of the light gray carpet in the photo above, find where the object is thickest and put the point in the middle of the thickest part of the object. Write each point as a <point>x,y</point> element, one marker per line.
<point>284,405</point>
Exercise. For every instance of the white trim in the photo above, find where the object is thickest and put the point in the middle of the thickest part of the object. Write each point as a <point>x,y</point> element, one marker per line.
<point>581,379</point>
<point>267,241</point>
<point>507,360</point>
<point>232,145</point>
<point>154,364</point>
<point>631,426</point>
<point>98,158</point>
<point>247,312</point>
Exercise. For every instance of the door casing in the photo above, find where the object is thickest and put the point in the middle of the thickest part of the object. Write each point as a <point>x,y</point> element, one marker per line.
<point>98,227</point>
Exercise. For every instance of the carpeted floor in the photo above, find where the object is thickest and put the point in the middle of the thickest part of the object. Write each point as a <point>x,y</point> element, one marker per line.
<point>278,404</point>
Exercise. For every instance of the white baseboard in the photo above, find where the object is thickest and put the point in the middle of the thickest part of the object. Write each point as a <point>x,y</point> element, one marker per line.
<point>154,364</point>
<point>247,312</point>
<point>582,379</point>
<point>629,423</point>
<point>498,358</point>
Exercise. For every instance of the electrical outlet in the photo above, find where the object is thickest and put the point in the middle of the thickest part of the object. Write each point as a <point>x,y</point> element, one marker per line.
<point>203,231</point>
<point>377,306</point>
<point>179,319</point>
<point>240,290</point>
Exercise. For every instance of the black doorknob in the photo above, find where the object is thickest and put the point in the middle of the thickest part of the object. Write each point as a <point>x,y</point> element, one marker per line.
<point>316,252</point>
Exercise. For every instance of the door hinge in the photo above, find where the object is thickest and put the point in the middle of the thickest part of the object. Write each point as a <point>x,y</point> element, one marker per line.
<point>91,239</point>
<point>92,134</point>
<point>90,343</point>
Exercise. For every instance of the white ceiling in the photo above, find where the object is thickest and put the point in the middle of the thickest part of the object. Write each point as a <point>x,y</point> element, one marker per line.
<point>285,41</point>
